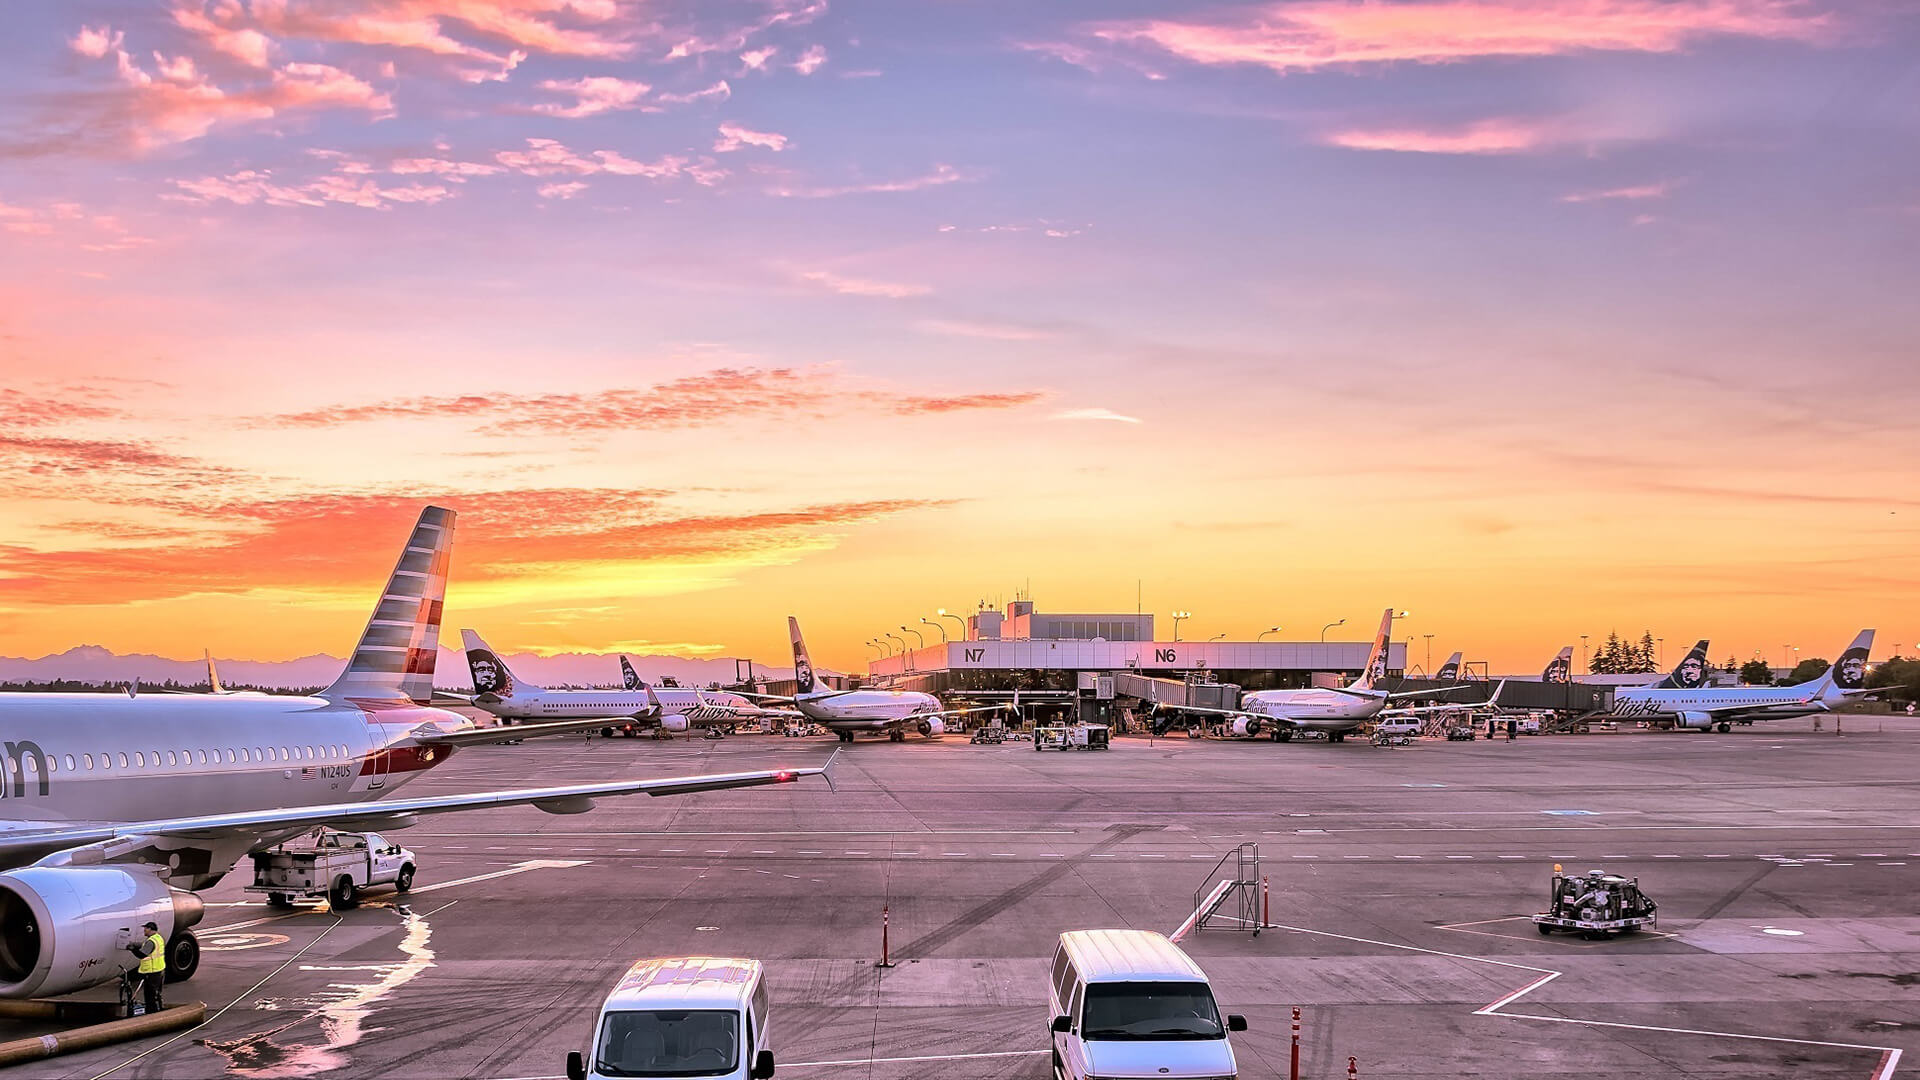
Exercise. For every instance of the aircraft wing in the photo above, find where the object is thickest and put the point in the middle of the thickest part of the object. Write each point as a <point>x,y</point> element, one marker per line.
<point>1430,693</point>
<point>1237,714</point>
<point>93,843</point>
<point>965,711</point>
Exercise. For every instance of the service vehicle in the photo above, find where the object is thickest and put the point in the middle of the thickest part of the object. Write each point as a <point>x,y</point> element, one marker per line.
<point>1461,733</point>
<point>682,1016</point>
<point>1130,1003</point>
<point>1072,737</point>
<point>1597,905</point>
<point>337,865</point>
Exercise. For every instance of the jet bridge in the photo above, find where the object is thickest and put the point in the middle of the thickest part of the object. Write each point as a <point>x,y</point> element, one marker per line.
<point>1175,693</point>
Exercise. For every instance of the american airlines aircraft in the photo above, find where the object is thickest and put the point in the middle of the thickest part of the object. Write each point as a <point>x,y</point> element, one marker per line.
<point>1334,711</point>
<point>1703,708</point>
<point>499,691</point>
<point>848,712</point>
<point>117,807</point>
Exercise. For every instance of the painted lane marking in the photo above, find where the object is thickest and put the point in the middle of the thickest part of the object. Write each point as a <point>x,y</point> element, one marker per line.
<point>921,1057</point>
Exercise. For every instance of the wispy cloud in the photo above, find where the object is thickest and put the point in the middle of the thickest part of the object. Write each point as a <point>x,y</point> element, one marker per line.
<point>811,61</point>
<point>734,137</point>
<point>852,286</point>
<point>562,191</point>
<point>941,175</point>
<point>1659,190</point>
<point>1331,33</point>
<point>250,186</point>
<point>592,95</point>
<point>1502,135</point>
<point>1095,414</point>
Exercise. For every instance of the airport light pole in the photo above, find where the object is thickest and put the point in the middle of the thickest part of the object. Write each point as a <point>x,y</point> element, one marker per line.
<point>871,644</point>
<point>1329,626</point>
<point>936,626</point>
<point>898,638</point>
<point>1215,638</point>
<point>886,649</point>
<point>1586,658</point>
<point>1662,654</point>
<point>1268,630</point>
<point>917,636</point>
<point>942,612</point>
<point>1429,665</point>
<point>1177,616</point>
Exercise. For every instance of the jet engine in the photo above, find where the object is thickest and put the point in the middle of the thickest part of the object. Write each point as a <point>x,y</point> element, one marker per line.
<point>1698,721</point>
<point>1246,725</point>
<point>675,722</point>
<point>932,726</point>
<point>66,928</point>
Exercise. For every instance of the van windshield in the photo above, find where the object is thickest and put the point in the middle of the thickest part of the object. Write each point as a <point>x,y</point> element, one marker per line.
<point>669,1042</point>
<point>1150,1010</point>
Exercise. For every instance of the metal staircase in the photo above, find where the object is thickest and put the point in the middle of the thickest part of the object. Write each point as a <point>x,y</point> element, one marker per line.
<point>1230,903</point>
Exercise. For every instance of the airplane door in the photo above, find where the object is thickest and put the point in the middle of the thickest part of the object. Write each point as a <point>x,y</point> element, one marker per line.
<point>377,760</point>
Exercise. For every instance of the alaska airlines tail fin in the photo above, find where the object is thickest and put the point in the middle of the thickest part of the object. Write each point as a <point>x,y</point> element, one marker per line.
<point>490,673</point>
<point>213,675</point>
<point>1450,670</point>
<point>1693,671</point>
<point>1377,659</point>
<point>1561,669</point>
<point>802,667</point>
<point>632,677</point>
<point>395,656</point>
<point>1849,671</point>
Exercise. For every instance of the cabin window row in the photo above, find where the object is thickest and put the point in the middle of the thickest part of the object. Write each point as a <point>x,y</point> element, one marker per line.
<point>140,759</point>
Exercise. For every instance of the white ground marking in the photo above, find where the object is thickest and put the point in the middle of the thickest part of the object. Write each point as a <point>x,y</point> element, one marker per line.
<point>516,868</point>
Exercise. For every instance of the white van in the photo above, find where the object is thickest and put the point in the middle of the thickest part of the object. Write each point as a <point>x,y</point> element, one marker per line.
<point>1130,1003</point>
<point>682,1016</point>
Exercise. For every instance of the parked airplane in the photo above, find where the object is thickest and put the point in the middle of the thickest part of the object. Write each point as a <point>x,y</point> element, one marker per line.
<point>499,691</point>
<point>1692,672</point>
<point>1448,671</point>
<point>1704,708</point>
<point>848,712</point>
<point>710,706</point>
<point>1333,711</point>
<point>119,807</point>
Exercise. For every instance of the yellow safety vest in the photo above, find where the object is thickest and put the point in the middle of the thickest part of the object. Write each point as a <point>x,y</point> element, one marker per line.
<point>155,961</point>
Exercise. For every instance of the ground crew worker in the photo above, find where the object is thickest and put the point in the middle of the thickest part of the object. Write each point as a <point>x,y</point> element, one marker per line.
<point>152,951</point>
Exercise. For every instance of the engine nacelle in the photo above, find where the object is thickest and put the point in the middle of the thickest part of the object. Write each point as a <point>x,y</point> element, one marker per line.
<point>675,722</point>
<point>1248,726</point>
<point>1698,721</point>
<point>932,726</point>
<point>66,928</point>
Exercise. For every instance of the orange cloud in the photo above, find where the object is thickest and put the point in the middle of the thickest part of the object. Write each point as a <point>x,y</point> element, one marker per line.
<point>426,25</point>
<point>1326,33</point>
<point>294,543</point>
<point>1496,136</point>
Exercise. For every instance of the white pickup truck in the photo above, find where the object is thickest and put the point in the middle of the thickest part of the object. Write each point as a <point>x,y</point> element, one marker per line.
<point>337,865</point>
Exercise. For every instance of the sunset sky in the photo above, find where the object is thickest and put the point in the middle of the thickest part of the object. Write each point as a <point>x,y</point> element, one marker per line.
<point>1536,318</point>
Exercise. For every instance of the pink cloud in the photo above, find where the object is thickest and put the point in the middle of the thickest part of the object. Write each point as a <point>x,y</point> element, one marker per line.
<point>426,25</point>
<point>988,331</point>
<point>1495,136</point>
<point>249,46</point>
<point>849,286</point>
<point>1658,190</point>
<point>456,171</point>
<point>250,186</point>
<point>756,59</point>
<point>547,157</point>
<point>596,94</point>
<point>734,137</point>
<point>1322,33</point>
<point>719,91</point>
<point>562,190</point>
<point>95,42</point>
<point>941,174</point>
<point>812,60</point>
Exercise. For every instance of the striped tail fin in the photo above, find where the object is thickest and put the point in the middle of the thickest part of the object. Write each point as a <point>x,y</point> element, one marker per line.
<point>394,659</point>
<point>1450,670</point>
<point>1561,669</point>
<point>1376,668</point>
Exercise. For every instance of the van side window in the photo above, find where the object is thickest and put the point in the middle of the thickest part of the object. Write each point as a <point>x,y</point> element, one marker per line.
<point>1073,1009</point>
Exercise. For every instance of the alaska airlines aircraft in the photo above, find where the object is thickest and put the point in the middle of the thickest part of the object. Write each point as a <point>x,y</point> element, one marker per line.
<point>848,712</point>
<point>499,691</point>
<point>709,707</point>
<point>117,806</point>
<point>1703,708</point>
<point>1334,711</point>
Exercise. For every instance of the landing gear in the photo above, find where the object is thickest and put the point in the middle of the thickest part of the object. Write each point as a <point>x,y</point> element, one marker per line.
<point>896,735</point>
<point>1194,732</point>
<point>1725,727</point>
<point>1337,736</point>
<point>1282,735</point>
<point>183,956</point>
<point>845,736</point>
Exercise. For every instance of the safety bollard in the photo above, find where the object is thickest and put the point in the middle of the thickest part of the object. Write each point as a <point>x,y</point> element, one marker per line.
<point>886,952</point>
<point>1293,1070</point>
<point>1266,904</point>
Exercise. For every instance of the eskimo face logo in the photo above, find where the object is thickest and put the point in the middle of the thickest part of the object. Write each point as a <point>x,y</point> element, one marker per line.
<point>1692,673</point>
<point>489,674</point>
<point>1850,671</point>
<point>1377,669</point>
<point>802,672</point>
<point>1557,671</point>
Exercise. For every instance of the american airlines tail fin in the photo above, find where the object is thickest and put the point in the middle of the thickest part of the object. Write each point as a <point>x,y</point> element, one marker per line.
<point>490,673</point>
<point>1377,659</point>
<point>632,677</point>
<point>1848,672</point>
<point>1693,671</point>
<point>1561,669</point>
<point>802,667</point>
<point>1450,670</point>
<point>395,656</point>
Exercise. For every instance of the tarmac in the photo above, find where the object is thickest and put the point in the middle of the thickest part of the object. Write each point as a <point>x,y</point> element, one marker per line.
<point>1785,863</point>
